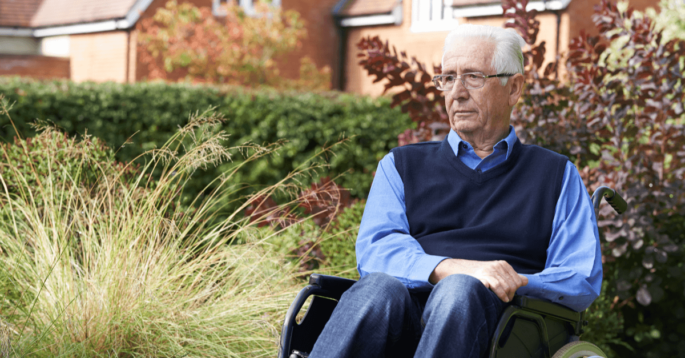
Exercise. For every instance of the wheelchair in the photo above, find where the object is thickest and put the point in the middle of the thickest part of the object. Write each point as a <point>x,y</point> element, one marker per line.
<point>557,328</point>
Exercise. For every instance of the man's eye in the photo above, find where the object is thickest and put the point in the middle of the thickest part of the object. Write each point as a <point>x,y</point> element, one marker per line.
<point>471,76</point>
<point>449,78</point>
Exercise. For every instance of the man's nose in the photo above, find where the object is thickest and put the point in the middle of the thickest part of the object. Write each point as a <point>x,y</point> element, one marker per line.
<point>459,92</point>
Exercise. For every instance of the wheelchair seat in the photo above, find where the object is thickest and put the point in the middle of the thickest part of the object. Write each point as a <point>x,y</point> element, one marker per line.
<point>558,329</point>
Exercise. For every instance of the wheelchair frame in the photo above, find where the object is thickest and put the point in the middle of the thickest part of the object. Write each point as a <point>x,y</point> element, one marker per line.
<point>550,319</point>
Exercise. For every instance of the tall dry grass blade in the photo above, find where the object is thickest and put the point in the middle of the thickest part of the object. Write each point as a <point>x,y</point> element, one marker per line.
<point>115,270</point>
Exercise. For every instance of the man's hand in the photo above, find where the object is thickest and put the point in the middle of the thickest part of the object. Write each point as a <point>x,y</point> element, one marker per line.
<point>498,276</point>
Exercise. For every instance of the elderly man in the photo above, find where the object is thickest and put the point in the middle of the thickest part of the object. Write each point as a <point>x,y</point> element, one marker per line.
<point>453,229</point>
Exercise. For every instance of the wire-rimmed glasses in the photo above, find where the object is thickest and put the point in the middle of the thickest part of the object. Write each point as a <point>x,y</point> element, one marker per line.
<point>470,80</point>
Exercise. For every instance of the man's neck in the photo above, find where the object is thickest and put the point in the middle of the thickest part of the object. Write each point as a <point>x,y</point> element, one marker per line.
<point>483,143</point>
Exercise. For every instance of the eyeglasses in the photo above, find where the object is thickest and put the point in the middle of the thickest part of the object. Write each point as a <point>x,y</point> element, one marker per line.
<point>471,80</point>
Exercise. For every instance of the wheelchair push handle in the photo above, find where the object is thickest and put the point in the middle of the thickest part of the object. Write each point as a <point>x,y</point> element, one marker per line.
<point>612,197</point>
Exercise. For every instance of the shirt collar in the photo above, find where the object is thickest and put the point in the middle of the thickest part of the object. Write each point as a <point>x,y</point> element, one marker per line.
<point>455,142</point>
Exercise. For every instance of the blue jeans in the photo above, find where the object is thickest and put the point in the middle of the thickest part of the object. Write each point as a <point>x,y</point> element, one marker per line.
<point>379,317</point>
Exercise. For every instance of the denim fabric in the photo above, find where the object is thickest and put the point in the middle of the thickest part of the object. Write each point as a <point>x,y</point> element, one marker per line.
<point>379,317</point>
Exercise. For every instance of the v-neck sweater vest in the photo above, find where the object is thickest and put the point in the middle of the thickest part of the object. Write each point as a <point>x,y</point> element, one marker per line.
<point>504,213</point>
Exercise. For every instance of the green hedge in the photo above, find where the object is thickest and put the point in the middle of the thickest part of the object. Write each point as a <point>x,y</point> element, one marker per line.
<point>114,112</point>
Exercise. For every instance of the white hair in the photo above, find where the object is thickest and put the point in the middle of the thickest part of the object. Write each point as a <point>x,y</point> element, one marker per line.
<point>507,58</point>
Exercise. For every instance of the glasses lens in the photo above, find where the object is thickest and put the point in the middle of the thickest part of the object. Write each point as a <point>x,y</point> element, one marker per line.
<point>444,82</point>
<point>473,80</point>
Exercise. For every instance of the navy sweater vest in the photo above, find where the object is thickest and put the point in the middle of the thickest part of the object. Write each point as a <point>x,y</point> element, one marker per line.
<point>505,213</point>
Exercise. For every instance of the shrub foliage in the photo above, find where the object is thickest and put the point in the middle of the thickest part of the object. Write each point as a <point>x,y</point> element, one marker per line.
<point>152,112</point>
<point>240,48</point>
<point>112,266</point>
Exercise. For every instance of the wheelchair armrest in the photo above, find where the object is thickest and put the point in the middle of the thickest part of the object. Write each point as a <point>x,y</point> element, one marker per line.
<point>537,311</point>
<point>319,285</point>
<point>335,285</point>
<point>547,308</point>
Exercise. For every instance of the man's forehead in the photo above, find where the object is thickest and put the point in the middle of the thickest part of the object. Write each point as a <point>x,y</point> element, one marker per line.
<point>468,54</point>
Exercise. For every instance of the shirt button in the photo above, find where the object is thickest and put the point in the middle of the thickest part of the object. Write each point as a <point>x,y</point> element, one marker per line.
<point>479,171</point>
<point>463,146</point>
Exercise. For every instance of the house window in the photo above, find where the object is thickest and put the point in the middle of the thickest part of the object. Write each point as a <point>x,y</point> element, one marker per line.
<point>432,15</point>
<point>247,5</point>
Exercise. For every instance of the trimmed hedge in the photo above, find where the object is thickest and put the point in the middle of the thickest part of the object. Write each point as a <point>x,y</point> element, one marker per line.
<point>153,111</point>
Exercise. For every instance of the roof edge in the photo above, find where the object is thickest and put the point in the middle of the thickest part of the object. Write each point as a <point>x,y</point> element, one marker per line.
<point>131,18</point>
<point>393,17</point>
<point>74,29</point>
<point>338,6</point>
<point>16,31</point>
<point>136,10</point>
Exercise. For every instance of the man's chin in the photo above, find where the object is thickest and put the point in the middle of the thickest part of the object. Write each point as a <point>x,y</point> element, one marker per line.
<point>465,126</point>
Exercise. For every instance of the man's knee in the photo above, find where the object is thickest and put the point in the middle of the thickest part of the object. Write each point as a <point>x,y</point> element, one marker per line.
<point>381,282</point>
<point>461,291</point>
<point>379,290</point>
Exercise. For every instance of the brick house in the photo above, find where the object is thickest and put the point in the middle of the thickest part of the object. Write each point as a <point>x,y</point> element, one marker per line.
<point>419,27</point>
<point>96,39</point>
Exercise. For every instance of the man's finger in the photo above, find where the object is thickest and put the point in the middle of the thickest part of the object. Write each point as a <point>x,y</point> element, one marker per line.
<point>519,280</point>
<point>492,283</point>
<point>485,282</point>
<point>499,291</point>
<point>511,278</point>
<point>502,288</point>
<point>493,273</point>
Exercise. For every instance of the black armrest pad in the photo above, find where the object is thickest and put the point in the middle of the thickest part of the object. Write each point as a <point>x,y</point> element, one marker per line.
<point>545,307</point>
<point>336,285</point>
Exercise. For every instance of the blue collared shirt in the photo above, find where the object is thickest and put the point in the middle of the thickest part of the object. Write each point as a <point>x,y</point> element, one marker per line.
<point>573,272</point>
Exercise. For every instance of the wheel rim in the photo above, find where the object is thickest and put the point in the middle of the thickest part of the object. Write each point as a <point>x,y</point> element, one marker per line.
<point>580,350</point>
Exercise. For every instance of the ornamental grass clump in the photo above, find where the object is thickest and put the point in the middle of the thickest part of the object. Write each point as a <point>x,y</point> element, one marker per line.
<point>102,259</point>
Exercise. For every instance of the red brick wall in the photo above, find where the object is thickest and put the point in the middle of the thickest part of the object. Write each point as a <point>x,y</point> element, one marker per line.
<point>580,13</point>
<point>40,67</point>
<point>425,46</point>
<point>322,42</point>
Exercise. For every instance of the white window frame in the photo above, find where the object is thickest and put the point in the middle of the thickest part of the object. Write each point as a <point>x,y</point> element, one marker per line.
<point>247,5</point>
<point>440,16</point>
<point>496,9</point>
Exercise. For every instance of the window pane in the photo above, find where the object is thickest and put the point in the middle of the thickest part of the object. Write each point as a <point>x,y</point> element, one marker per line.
<point>436,10</point>
<point>424,10</point>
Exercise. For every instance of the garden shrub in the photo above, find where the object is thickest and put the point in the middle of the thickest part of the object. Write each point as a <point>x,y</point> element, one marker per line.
<point>153,111</point>
<point>339,247</point>
<point>123,271</point>
<point>620,119</point>
<point>52,155</point>
<point>329,249</point>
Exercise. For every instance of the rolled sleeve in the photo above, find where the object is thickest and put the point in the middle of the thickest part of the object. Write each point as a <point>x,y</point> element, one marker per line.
<point>384,243</point>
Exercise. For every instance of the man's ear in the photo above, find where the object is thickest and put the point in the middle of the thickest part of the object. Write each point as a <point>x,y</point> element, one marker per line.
<point>516,88</point>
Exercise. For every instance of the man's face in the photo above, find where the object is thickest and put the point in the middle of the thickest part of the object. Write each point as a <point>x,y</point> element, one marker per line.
<point>483,111</point>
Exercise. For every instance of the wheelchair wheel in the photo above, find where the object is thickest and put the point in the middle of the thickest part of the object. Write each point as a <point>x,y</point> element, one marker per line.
<point>579,349</point>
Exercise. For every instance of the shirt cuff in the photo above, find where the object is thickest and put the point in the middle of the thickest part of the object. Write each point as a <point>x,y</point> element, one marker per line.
<point>421,271</point>
<point>535,287</point>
